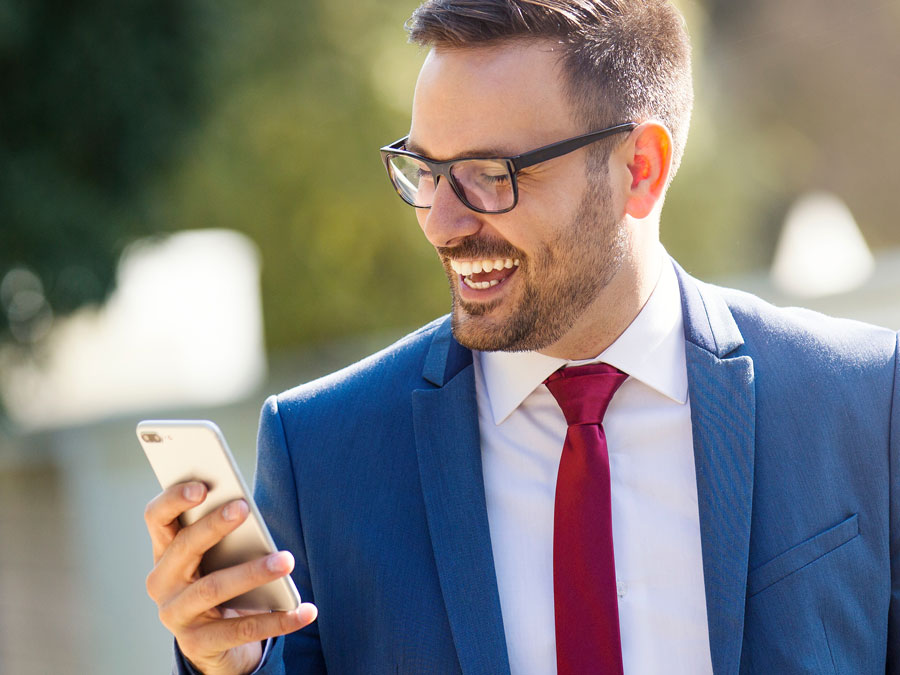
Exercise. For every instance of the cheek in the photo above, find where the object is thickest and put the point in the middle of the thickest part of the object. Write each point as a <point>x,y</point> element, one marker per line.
<point>543,227</point>
<point>421,217</point>
<point>552,204</point>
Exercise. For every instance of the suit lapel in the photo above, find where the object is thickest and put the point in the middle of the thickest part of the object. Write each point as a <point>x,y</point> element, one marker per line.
<point>449,452</point>
<point>722,395</point>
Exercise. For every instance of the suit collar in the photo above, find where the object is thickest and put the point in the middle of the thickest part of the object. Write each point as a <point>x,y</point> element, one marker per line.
<point>446,358</point>
<point>708,322</point>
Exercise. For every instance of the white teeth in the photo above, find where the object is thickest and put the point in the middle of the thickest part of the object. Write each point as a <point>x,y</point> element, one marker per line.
<point>479,285</point>
<point>469,267</point>
<point>475,266</point>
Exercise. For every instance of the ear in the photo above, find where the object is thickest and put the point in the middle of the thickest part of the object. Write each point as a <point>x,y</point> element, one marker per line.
<point>649,165</point>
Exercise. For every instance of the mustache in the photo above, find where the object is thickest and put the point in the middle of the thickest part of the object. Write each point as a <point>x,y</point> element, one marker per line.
<point>480,248</point>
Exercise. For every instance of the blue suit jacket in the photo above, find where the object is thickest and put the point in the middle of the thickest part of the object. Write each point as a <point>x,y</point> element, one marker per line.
<point>372,478</point>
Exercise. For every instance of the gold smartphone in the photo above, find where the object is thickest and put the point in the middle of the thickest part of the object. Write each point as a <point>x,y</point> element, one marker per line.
<point>195,450</point>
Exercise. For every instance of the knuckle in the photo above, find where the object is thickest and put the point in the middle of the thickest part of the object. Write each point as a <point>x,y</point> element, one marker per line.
<point>208,589</point>
<point>284,623</point>
<point>259,570</point>
<point>149,511</point>
<point>179,543</point>
<point>166,616</point>
<point>215,522</point>
<point>151,584</point>
<point>246,629</point>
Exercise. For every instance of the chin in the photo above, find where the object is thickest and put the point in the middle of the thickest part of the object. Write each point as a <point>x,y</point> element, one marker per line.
<point>492,334</point>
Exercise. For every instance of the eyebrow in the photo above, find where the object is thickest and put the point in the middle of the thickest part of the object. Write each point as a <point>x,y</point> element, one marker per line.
<point>468,154</point>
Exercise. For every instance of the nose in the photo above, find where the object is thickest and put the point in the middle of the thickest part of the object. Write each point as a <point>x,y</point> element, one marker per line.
<point>448,221</point>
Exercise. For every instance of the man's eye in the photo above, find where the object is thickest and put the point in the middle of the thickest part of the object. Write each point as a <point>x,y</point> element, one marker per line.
<point>423,175</point>
<point>495,179</point>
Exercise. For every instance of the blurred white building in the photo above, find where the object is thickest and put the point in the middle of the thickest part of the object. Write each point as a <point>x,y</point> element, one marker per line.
<point>183,327</point>
<point>822,262</point>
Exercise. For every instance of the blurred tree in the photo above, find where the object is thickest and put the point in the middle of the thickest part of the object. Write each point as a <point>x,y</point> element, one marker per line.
<point>793,97</point>
<point>305,97</point>
<point>97,98</point>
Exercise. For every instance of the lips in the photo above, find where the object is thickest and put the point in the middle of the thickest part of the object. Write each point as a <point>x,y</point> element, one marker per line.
<point>483,274</point>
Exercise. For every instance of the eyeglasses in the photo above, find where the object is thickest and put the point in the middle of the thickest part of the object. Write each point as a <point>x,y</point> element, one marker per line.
<point>484,184</point>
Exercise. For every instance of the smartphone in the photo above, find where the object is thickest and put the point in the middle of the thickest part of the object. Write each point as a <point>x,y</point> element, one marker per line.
<point>195,450</point>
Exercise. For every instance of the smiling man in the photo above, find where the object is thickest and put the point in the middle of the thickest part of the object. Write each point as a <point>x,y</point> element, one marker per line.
<point>596,463</point>
<point>572,273</point>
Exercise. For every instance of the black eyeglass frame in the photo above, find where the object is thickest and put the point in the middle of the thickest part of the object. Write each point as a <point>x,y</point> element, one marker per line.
<point>513,164</point>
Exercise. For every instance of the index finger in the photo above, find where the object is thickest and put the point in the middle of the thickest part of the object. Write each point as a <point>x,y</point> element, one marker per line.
<point>161,513</point>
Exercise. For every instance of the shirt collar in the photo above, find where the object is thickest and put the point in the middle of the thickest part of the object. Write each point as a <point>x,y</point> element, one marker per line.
<point>651,350</point>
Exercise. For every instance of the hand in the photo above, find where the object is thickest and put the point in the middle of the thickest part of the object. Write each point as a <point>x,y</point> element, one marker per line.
<point>216,641</point>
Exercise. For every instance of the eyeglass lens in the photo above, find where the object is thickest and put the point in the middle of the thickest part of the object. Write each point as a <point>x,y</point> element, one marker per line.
<point>484,184</point>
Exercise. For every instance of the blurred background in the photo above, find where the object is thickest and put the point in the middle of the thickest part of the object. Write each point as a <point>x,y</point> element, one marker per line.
<point>193,214</point>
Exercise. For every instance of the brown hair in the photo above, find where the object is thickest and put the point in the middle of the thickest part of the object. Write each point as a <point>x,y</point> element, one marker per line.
<point>625,60</point>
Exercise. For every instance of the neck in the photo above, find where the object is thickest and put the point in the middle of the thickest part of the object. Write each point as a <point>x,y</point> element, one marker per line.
<point>615,307</point>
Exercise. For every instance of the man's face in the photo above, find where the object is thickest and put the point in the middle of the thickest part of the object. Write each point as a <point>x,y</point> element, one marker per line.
<point>550,258</point>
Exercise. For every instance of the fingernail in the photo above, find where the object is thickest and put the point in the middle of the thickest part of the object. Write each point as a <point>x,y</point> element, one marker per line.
<point>193,492</point>
<point>278,562</point>
<point>234,510</point>
<point>310,610</point>
<point>305,614</point>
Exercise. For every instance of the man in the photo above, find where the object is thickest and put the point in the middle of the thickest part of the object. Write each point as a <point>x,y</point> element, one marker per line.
<point>744,513</point>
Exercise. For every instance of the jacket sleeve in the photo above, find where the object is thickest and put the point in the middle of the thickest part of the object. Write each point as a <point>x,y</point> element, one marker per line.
<point>182,666</point>
<point>276,495</point>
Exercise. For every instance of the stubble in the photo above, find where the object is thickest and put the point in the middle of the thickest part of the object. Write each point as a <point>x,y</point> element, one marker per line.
<point>560,281</point>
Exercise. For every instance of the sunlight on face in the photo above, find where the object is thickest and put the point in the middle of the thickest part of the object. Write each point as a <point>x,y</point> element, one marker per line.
<point>564,233</point>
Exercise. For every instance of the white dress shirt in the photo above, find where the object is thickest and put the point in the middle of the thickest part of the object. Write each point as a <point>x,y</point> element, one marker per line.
<point>655,518</point>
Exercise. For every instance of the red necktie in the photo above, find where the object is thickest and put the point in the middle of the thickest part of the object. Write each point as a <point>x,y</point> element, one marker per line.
<point>584,569</point>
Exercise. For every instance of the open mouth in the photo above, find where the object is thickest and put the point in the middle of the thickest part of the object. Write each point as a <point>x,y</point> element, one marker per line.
<point>483,274</point>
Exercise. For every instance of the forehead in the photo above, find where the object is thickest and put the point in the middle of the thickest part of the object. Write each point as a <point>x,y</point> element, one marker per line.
<point>503,99</point>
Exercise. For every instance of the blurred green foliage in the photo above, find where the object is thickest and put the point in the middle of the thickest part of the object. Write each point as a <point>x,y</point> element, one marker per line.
<point>97,98</point>
<point>304,97</point>
<point>131,118</point>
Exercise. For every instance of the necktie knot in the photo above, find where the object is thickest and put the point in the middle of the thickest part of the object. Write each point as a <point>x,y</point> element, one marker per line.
<point>584,392</point>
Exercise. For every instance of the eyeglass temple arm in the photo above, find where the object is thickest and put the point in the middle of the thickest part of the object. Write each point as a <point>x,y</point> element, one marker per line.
<point>564,147</point>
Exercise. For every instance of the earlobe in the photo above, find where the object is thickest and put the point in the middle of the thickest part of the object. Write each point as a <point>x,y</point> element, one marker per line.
<point>649,166</point>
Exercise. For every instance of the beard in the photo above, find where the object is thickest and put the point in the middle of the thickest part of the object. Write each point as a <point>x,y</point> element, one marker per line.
<point>558,283</point>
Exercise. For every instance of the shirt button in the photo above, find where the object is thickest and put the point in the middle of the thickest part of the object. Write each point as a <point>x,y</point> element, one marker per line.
<point>621,588</point>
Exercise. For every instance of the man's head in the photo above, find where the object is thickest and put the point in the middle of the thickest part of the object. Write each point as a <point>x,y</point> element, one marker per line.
<point>622,59</point>
<point>569,261</point>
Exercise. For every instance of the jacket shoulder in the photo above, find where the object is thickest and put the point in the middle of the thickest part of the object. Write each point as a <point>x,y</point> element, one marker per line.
<point>398,367</point>
<point>799,353</point>
<point>807,334</point>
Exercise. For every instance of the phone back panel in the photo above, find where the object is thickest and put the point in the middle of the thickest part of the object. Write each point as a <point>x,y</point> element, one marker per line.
<point>186,450</point>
